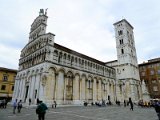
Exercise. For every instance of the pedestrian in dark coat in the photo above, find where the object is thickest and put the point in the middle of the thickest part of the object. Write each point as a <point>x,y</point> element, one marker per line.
<point>124,103</point>
<point>157,109</point>
<point>41,110</point>
<point>30,101</point>
<point>19,106</point>
<point>131,104</point>
<point>55,104</point>
<point>5,103</point>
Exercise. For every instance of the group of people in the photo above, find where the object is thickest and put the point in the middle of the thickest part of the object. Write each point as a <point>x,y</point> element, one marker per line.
<point>146,103</point>
<point>103,103</point>
<point>17,105</point>
<point>3,103</point>
<point>40,110</point>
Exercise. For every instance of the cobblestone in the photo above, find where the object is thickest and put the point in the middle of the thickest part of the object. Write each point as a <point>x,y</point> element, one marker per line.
<point>83,113</point>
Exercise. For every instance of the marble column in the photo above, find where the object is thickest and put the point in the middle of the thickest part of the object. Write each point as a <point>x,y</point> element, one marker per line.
<point>18,88</point>
<point>23,89</point>
<point>56,86</point>
<point>65,83</point>
<point>37,85</point>
<point>15,89</point>
<point>60,87</point>
<point>94,90</point>
<point>41,91</point>
<point>83,89</point>
<point>32,93</point>
<point>108,92</point>
<point>100,90</point>
<point>76,88</point>
<point>29,89</point>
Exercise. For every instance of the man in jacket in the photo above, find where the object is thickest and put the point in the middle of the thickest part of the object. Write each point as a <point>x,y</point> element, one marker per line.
<point>41,110</point>
<point>157,109</point>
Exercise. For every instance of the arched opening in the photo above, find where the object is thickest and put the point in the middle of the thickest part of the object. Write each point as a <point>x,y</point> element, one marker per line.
<point>69,86</point>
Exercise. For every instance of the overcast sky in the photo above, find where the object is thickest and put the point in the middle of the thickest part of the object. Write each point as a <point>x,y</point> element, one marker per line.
<point>85,26</point>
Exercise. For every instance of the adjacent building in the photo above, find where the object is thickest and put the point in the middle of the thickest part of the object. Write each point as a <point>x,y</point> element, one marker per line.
<point>7,79</point>
<point>150,73</point>
<point>49,71</point>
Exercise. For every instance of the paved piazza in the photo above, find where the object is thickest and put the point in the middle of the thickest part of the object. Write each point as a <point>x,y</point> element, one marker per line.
<point>83,113</point>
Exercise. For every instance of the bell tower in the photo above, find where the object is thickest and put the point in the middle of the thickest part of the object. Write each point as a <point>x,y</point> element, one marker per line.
<point>127,70</point>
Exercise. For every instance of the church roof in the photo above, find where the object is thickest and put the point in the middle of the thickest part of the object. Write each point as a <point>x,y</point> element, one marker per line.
<point>7,69</point>
<point>60,47</point>
<point>124,20</point>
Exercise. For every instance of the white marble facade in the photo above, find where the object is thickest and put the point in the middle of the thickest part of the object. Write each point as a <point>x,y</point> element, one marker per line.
<point>128,82</point>
<point>48,71</point>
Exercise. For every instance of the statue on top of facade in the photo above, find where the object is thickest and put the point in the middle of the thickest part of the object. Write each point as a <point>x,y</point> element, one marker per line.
<point>41,12</point>
<point>46,11</point>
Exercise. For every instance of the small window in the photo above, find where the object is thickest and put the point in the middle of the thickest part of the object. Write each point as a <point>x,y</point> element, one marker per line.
<point>155,88</point>
<point>122,51</point>
<point>152,72</point>
<point>158,72</point>
<point>121,41</point>
<point>3,87</point>
<point>5,77</point>
<point>143,73</point>
<point>12,88</point>
<point>120,32</point>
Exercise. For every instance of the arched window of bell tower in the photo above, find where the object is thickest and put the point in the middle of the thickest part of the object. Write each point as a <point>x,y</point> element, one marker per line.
<point>122,51</point>
<point>120,32</point>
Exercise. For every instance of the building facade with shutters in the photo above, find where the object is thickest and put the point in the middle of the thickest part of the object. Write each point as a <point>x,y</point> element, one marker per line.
<point>150,73</point>
<point>7,80</point>
<point>49,71</point>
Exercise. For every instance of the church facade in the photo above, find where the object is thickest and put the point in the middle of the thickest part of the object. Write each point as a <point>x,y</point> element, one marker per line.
<point>49,71</point>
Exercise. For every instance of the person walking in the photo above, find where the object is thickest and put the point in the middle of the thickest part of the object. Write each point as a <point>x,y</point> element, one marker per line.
<point>37,101</point>
<point>14,106</point>
<point>55,104</point>
<point>157,109</point>
<point>5,103</point>
<point>124,103</point>
<point>19,106</point>
<point>41,110</point>
<point>131,104</point>
<point>30,101</point>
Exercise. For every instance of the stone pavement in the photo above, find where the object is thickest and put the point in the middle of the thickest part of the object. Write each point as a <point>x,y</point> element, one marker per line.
<point>83,113</point>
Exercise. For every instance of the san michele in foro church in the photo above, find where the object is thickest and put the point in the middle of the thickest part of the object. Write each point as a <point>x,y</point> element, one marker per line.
<point>52,72</point>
